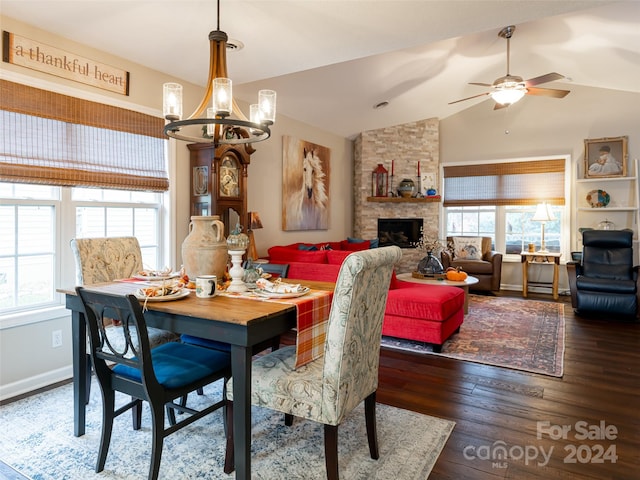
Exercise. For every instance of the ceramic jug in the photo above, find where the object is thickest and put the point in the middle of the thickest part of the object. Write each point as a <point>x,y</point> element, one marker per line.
<point>204,250</point>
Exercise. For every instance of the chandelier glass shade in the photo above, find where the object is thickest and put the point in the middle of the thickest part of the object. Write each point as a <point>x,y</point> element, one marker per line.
<point>223,122</point>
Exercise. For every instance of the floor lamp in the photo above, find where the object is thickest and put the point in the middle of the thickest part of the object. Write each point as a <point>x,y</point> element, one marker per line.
<point>543,215</point>
<point>254,224</point>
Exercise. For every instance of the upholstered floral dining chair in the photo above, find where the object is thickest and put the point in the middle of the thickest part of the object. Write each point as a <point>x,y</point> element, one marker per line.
<point>329,388</point>
<point>100,260</point>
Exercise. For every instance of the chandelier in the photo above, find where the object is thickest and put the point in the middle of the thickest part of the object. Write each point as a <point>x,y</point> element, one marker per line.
<point>218,126</point>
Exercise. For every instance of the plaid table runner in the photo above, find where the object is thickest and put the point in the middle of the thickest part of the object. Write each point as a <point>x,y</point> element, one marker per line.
<point>313,316</point>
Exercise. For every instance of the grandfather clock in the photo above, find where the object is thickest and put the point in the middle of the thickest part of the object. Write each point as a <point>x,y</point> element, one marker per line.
<point>219,182</point>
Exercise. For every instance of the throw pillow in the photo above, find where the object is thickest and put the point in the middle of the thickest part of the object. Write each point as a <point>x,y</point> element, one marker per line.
<point>467,248</point>
<point>336,257</point>
<point>354,247</point>
<point>373,243</point>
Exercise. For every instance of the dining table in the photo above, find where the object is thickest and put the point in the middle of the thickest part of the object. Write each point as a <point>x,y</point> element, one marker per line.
<point>240,320</point>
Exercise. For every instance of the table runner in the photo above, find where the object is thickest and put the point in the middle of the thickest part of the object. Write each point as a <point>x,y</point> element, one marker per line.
<point>313,316</point>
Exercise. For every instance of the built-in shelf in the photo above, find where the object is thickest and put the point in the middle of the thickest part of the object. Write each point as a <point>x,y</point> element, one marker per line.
<point>431,198</point>
<point>607,209</point>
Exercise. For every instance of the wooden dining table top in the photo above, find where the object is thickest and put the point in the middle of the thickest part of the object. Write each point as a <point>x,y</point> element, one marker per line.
<point>239,310</point>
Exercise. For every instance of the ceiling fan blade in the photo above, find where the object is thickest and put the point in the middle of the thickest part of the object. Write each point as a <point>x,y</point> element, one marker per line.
<point>547,92</point>
<point>549,77</point>
<point>469,98</point>
<point>481,84</point>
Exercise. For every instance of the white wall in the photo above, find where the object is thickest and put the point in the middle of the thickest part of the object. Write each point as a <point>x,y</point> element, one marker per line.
<point>540,126</point>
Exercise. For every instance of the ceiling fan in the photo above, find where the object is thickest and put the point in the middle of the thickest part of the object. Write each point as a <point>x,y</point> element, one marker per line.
<point>509,89</point>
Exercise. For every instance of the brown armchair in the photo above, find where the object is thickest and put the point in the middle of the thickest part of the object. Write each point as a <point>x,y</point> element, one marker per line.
<point>487,268</point>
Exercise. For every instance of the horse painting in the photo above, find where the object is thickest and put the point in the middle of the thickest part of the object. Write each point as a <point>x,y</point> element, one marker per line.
<point>305,186</point>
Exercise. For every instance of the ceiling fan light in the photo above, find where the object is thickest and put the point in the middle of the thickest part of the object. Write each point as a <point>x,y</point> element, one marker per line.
<point>508,96</point>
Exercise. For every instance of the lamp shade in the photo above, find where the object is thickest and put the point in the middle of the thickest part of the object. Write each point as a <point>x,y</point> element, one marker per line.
<point>543,213</point>
<point>254,221</point>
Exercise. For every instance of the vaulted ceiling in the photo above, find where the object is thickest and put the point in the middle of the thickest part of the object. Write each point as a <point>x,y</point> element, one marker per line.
<point>331,61</point>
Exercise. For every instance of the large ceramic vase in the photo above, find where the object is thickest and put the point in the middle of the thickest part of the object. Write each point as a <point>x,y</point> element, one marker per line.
<point>204,251</point>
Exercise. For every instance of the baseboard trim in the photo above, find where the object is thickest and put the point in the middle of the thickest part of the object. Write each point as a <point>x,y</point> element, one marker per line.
<point>27,385</point>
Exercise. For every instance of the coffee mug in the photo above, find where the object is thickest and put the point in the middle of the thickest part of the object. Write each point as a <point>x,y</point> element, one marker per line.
<point>206,286</point>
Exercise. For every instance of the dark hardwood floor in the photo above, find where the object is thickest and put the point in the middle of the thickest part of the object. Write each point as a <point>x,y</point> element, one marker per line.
<point>495,407</point>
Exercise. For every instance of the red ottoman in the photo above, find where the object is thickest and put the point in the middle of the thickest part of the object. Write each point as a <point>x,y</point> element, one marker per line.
<point>425,313</point>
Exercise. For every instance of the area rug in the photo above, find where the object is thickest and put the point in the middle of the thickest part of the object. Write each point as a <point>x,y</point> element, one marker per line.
<point>514,333</point>
<point>37,440</point>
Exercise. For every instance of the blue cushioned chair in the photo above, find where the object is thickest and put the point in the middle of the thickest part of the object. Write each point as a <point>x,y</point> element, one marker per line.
<point>157,375</point>
<point>327,389</point>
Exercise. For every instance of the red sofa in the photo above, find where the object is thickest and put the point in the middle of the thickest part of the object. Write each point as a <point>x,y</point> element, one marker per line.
<point>425,313</point>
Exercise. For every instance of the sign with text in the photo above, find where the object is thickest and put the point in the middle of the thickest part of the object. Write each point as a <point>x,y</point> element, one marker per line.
<point>38,56</point>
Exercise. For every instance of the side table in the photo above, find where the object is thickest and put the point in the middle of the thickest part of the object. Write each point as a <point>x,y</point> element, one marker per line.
<point>540,258</point>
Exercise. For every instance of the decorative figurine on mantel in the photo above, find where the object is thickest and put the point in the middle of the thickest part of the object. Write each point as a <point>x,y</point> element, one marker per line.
<point>237,243</point>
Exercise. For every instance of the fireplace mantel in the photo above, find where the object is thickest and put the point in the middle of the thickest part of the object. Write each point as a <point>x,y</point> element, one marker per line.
<point>430,198</point>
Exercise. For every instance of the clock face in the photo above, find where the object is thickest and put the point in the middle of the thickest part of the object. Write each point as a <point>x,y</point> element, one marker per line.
<point>229,175</point>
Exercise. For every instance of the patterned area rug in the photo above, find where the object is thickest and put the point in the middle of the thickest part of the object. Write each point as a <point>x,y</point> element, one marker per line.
<point>37,439</point>
<point>513,333</point>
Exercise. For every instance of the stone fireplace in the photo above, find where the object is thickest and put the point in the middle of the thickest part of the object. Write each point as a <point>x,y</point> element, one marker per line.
<point>405,145</point>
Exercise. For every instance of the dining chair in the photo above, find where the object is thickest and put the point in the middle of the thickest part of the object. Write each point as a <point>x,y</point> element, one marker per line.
<point>106,259</point>
<point>276,269</point>
<point>280,270</point>
<point>327,389</point>
<point>158,375</point>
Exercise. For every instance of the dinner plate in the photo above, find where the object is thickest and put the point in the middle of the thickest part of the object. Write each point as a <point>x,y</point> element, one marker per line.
<point>598,198</point>
<point>264,293</point>
<point>164,298</point>
<point>156,277</point>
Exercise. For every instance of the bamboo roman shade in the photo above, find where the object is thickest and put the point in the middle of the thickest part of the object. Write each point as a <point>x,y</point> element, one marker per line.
<point>55,139</point>
<point>513,183</point>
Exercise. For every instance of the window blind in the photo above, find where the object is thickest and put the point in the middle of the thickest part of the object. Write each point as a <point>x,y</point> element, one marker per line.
<point>54,139</point>
<point>509,183</point>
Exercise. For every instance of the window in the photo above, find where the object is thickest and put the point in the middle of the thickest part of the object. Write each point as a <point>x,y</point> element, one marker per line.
<point>27,246</point>
<point>52,147</point>
<point>499,201</point>
<point>41,220</point>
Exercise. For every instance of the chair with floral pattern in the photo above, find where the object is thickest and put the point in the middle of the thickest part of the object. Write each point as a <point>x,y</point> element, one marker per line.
<point>100,260</point>
<point>329,388</point>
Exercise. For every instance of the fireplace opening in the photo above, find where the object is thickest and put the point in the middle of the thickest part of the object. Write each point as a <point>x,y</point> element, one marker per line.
<point>403,232</point>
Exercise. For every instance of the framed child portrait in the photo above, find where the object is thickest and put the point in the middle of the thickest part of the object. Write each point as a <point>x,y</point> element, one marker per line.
<point>605,157</point>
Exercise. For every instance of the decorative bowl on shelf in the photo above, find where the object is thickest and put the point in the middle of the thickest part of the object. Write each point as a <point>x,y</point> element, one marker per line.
<point>598,198</point>
<point>406,188</point>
